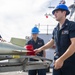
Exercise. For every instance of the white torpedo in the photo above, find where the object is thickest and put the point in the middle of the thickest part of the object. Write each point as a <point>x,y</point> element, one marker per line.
<point>8,48</point>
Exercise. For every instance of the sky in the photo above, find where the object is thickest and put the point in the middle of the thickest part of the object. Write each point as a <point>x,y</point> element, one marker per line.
<point>18,17</point>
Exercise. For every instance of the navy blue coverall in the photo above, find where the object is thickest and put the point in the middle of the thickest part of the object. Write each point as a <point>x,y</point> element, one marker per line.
<point>62,41</point>
<point>39,42</point>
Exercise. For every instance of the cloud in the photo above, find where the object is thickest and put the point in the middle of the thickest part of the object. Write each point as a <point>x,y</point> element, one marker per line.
<point>17,17</point>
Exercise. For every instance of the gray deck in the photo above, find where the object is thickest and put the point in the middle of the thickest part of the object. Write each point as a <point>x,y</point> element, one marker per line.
<point>18,73</point>
<point>21,73</point>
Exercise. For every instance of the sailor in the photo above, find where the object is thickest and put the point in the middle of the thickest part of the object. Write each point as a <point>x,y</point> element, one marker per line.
<point>36,42</point>
<point>64,39</point>
<point>1,39</point>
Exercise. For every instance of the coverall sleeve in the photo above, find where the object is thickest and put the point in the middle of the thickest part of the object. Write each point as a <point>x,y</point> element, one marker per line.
<point>53,34</point>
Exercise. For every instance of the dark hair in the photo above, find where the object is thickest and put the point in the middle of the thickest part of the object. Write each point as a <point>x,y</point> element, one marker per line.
<point>62,11</point>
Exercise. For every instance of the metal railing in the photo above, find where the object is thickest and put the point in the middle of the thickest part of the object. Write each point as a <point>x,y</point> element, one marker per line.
<point>45,29</point>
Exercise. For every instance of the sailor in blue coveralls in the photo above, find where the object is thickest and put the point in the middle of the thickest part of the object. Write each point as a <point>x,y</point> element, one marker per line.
<point>36,42</point>
<point>1,39</point>
<point>64,39</point>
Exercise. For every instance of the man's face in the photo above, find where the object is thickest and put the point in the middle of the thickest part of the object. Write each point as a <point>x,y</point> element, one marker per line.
<point>34,36</point>
<point>59,14</point>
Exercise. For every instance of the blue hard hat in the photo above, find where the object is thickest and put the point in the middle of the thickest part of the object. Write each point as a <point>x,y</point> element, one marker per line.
<point>61,7</point>
<point>35,30</point>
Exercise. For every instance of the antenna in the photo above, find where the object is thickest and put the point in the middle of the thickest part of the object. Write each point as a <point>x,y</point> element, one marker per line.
<point>47,15</point>
<point>72,8</point>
